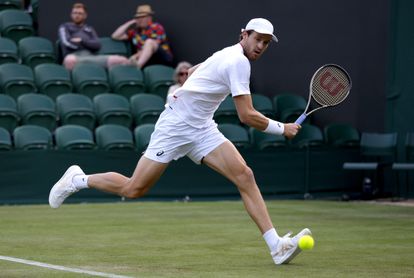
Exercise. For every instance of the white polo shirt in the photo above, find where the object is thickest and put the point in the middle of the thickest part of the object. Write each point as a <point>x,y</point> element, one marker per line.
<point>226,71</point>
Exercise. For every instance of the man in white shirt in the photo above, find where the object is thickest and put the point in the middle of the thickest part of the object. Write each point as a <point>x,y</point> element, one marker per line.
<point>186,128</point>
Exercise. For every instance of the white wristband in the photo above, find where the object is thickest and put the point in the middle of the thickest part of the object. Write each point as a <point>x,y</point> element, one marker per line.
<point>275,127</point>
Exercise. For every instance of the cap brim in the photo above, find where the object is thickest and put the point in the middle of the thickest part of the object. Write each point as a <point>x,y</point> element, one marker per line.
<point>274,38</point>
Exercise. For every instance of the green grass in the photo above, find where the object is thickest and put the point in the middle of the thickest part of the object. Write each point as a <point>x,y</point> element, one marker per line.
<point>206,239</point>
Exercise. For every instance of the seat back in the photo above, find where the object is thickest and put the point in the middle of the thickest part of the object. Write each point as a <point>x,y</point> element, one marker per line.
<point>379,144</point>
<point>8,51</point>
<point>110,46</point>
<point>236,134</point>
<point>308,136</point>
<point>52,80</point>
<point>37,109</point>
<point>226,113</point>
<point>114,137</point>
<point>288,107</point>
<point>158,79</point>
<point>32,137</point>
<point>90,79</point>
<point>142,134</point>
<point>341,135</point>
<point>74,137</point>
<point>5,140</point>
<point>9,115</point>
<point>409,146</point>
<point>36,50</point>
<point>10,4</point>
<point>146,108</point>
<point>76,109</point>
<point>16,79</point>
<point>126,80</point>
<point>16,24</point>
<point>112,109</point>
<point>263,104</point>
<point>266,141</point>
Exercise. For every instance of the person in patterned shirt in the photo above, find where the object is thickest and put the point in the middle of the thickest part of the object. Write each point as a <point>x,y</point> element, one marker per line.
<point>147,37</point>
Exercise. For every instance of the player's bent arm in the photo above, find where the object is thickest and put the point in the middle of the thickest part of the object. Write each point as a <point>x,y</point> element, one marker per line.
<point>192,69</point>
<point>253,118</point>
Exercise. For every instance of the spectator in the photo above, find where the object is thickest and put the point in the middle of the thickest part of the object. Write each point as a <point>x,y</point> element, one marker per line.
<point>79,42</point>
<point>180,76</point>
<point>147,37</point>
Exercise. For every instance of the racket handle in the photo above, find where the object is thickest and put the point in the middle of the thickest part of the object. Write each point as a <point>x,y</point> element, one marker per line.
<point>301,119</point>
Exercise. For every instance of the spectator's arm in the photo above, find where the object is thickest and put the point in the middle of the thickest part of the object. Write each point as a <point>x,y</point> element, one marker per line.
<point>65,37</point>
<point>92,43</point>
<point>121,32</point>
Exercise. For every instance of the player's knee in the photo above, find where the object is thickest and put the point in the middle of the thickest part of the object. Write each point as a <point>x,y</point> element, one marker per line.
<point>69,62</point>
<point>246,176</point>
<point>132,191</point>
<point>151,43</point>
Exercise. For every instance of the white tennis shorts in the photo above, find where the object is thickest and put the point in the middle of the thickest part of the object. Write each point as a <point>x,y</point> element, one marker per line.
<point>173,139</point>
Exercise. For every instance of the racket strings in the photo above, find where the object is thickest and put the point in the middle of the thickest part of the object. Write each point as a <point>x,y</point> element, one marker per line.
<point>330,86</point>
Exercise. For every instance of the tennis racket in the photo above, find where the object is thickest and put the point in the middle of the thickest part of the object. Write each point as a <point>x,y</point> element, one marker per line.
<point>329,86</point>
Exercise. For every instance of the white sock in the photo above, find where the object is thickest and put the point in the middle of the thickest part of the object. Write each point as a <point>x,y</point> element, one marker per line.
<point>272,239</point>
<point>80,181</point>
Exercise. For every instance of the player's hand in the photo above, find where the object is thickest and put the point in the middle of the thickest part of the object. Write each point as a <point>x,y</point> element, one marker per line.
<point>76,40</point>
<point>291,130</point>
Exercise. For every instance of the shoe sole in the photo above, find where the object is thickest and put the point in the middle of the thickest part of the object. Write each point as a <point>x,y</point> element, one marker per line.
<point>72,168</point>
<point>302,233</point>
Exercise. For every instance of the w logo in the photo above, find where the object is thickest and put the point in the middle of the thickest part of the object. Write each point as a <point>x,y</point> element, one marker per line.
<point>331,84</point>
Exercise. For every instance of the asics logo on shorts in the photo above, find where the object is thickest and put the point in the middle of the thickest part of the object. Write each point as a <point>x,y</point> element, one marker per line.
<point>160,153</point>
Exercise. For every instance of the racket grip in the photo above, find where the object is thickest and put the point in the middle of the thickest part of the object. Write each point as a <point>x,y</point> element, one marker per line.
<point>301,119</point>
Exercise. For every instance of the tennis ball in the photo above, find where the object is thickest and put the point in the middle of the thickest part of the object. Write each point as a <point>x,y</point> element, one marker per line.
<point>306,242</point>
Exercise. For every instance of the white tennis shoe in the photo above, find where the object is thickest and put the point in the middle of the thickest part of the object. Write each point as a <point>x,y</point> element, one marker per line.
<point>64,187</point>
<point>287,247</point>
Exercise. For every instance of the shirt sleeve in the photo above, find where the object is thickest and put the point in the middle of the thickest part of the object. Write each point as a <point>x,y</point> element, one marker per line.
<point>238,72</point>
<point>157,32</point>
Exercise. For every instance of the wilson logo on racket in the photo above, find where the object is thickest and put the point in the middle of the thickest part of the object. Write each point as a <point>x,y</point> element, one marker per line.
<point>331,84</point>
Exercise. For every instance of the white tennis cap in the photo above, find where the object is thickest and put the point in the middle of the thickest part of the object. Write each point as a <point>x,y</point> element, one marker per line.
<point>262,26</point>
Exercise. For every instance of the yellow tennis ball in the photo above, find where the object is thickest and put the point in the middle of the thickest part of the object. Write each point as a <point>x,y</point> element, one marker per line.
<point>306,242</point>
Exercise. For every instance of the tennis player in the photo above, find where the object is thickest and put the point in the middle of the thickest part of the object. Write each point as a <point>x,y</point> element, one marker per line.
<point>186,128</point>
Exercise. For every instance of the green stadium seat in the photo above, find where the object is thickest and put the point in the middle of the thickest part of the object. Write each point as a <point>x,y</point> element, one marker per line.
<point>36,50</point>
<point>142,135</point>
<point>52,80</point>
<point>289,107</point>
<point>110,46</point>
<point>308,136</point>
<point>10,4</point>
<point>5,140</point>
<point>112,109</point>
<point>76,109</point>
<point>158,79</point>
<point>237,134</point>
<point>114,137</point>
<point>341,135</point>
<point>265,141</point>
<point>37,109</point>
<point>8,51</point>
<point>9,115</point>
<point>90,79</point>
<point>263,104</point>
<point>126,80</point>
<point>146,108</point>
<point>74,137</point>
<point>16,80</point>
<point>226,113</point>
<point>16,24</point>
<point>32,137</point>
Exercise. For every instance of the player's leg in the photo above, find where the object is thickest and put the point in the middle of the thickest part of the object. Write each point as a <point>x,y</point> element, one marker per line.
<point>226,160</point>
<point>145,175</point>
<point>70,61</point>
<point>116,60</point>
